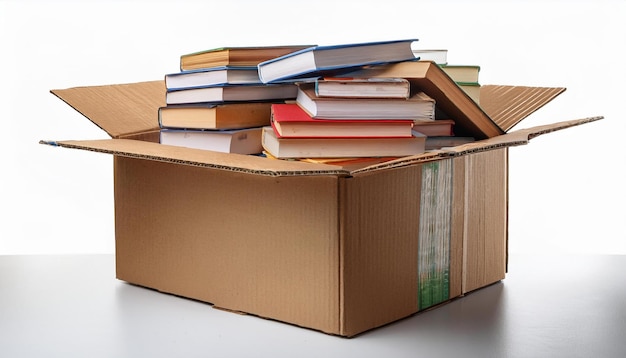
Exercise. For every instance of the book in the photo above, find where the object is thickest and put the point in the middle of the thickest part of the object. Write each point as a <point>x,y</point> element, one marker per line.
<point>439,127</point>
<point>232,93</point>
<point>462,73</point>
<point>285,148</point>
<point>240,141</point>
<point>362,87</point>
<point>472,89</point>
<point>470,119</point>
<point>215,116</point>
<point>417,107</point>
<point>439,56</point>
<point>211,77</point>
<point>234,56</point>
<point>289,120</point>
<point>324,61</point>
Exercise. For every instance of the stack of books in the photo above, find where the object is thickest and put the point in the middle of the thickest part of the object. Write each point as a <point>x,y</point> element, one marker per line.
<point>316,102</point>
<point>217,101</point>
<point>352,118</point>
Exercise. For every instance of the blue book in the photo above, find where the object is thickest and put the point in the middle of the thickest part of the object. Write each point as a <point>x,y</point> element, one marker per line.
<point>333,60</point>
<point>221,75</point>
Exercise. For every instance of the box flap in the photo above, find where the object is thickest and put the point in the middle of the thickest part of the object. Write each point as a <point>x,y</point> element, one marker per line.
<point>509,105</point>
<point>121,109</point>
<point>515,138</point>
<point>202,158</point>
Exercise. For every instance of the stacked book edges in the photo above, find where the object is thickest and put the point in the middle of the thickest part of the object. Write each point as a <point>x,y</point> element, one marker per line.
<point>335,104</point>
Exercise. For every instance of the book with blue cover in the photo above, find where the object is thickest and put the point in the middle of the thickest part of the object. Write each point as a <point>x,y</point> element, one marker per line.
<point>221,75</point>
<point>232,93</point>
<point>332,60</point>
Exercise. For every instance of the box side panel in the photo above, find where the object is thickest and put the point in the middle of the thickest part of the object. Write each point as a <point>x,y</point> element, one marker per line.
<point>262,245</point>
<point>485,218</point>
<point>379,248</point>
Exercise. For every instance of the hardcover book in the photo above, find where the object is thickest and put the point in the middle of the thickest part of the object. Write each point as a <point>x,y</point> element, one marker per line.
<point>324,61</point>
<point>239,141</point>
<point>215,116</point>
<point>235,56</point>
<point>347,87</point>
<point>211,77</point>
<point>470,119</point>
<point>289,120</point>
<point>417,107</point>
<point>439,56</point>
<point>439,127</point>
<point>232,93</point>
<point>462,73</point>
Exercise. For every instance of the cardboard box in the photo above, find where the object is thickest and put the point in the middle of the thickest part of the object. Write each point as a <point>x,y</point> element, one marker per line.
<point>333,249</point>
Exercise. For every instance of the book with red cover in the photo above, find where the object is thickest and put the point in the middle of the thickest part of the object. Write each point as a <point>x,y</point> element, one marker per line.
<point>289,120</point>
<point>436,128</point>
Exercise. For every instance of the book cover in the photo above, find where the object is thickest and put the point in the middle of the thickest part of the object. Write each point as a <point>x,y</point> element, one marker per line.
<point>439,56</point>
<point>462,73</point>
<point>215,116</point>
<point>289,120</point>
<point>239,141</point>
<point>235,56</point>
<point>349,87</point>
<point>212,76</point>
<point>232,93</point>
<point>285,148</point>
<point>324,61</point>
<point>417,107</point>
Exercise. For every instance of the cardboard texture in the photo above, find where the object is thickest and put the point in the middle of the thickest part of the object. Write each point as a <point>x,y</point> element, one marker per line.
<point>320,246</point>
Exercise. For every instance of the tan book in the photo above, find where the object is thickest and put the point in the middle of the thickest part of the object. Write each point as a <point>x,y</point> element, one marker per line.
<point>215,116</point>
<point>234,56</point>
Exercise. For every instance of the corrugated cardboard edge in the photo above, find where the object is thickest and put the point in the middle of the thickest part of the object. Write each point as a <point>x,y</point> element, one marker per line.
<point>263,166</point>
<point>120,109</point>
<point>515,138</point>
<point>200,158</point>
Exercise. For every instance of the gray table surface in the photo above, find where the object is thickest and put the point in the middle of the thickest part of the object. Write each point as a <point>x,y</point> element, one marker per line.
<point>548,306</point>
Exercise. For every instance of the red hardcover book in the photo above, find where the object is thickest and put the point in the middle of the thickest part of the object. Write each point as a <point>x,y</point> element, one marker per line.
<point>289,120</point>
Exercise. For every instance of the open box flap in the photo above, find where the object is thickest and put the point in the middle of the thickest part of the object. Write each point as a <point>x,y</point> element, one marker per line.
<point>264,166</point>
<point>514,138</point>
<point>121,109</point>
<point>201,158</point>
<point>509,105</point>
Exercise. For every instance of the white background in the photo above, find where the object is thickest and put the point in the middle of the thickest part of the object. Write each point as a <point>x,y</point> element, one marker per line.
<point>566,188</point>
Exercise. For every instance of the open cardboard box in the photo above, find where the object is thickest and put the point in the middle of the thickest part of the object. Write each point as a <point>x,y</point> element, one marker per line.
<point>333,249</point>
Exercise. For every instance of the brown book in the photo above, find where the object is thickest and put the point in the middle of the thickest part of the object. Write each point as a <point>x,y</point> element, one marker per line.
<point>234,56</point>
<point>427,76</point>
<point>215,116</point>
